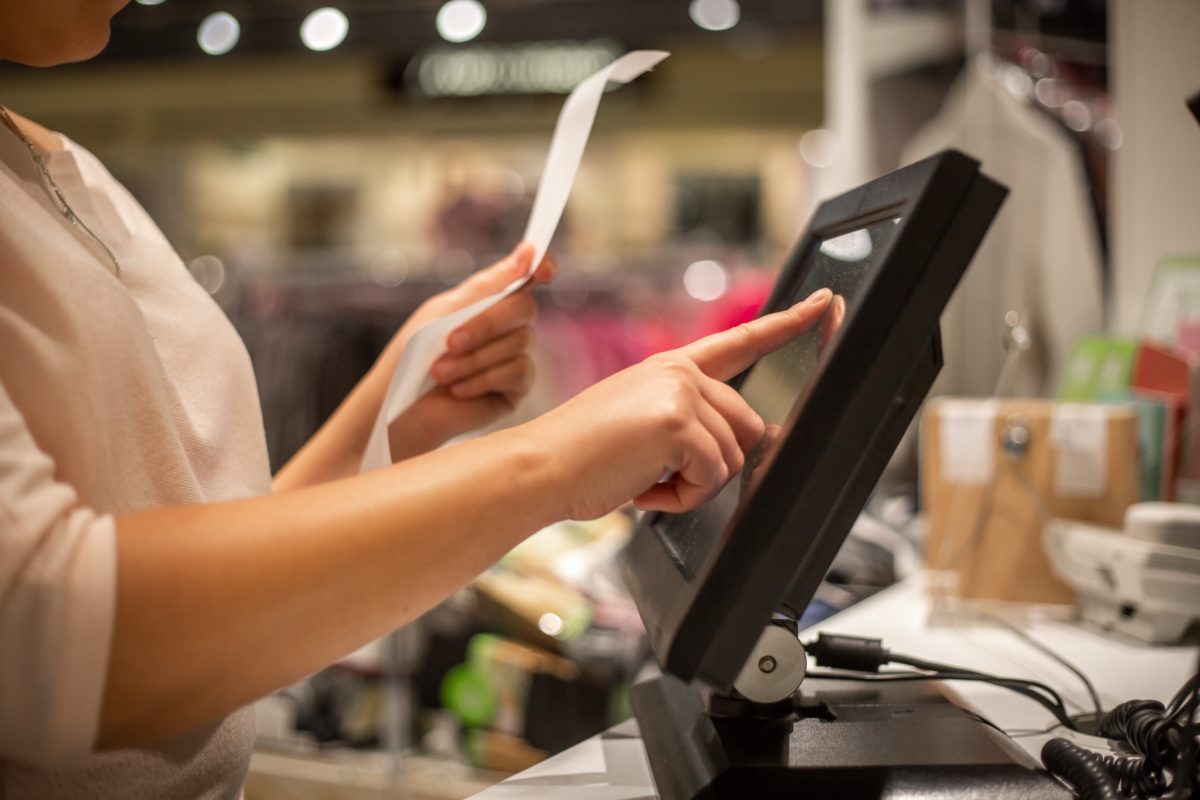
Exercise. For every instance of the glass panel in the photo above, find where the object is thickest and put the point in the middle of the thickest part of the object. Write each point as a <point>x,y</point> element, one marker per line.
<point>844,264</point>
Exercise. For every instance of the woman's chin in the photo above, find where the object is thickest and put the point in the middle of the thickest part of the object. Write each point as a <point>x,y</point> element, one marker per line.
<point>59,33</point>
<point>69,52</point>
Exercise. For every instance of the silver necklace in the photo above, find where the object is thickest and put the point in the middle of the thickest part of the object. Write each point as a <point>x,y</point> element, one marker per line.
<point>56,194</point>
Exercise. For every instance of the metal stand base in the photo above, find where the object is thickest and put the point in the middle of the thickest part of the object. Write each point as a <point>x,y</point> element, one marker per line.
<point>845,740</point>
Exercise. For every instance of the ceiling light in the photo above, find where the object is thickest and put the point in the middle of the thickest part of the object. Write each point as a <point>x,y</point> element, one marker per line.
<point>150,2</point>
<point>324,29</point>
<point>461,20</point>
<point>715,15</point>
<point>218,33</point>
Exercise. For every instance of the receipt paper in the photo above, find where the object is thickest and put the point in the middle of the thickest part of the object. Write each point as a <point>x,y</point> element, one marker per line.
<point>411,378</point>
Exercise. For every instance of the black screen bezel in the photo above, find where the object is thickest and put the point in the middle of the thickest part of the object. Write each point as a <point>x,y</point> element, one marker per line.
<point>704,628</point>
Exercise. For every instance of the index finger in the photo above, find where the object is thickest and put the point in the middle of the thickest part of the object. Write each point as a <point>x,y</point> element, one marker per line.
<point>725,354</point>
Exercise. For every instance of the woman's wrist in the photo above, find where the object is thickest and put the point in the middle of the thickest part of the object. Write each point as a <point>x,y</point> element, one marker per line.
<point>540,482</point>
<point>413,433</point>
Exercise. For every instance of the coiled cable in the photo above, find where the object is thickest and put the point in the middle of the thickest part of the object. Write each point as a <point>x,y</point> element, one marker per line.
<point>1082,770</point>
<point>1135,776</point>
<point>1159,742</point>
<point>1148,728</point>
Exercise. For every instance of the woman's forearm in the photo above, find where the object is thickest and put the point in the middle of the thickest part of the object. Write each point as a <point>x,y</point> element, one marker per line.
<point>220,604</point>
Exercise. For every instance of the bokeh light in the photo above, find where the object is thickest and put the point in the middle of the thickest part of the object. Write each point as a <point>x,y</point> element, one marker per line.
<point>715,15</point>
<point>324,29</point>
<point>551,624</point>
<point>461,20</point>
<point>818,148</point>
<point>705,280</point>
<point>218,33</point>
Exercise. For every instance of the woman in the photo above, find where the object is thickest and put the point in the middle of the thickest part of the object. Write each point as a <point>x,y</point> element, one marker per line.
<point>152,580</point>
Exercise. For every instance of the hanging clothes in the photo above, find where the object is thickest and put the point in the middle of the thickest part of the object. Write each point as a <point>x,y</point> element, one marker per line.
<point>1042,256</point>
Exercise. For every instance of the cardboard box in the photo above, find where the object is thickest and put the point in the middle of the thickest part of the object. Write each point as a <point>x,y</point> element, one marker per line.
<point>992,472</point>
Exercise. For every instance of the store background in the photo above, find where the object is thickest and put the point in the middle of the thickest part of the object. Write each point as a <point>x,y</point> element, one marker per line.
<point>321,195</point>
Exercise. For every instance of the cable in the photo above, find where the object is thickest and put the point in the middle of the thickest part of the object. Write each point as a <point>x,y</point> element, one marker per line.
<point>1148,729</point>
<point>1187,777</point>
<point>1048,651</point>
<point>1132,776</point>
<point>1164,751</point>
<point>1135,776</point>
<point>1159,741</point>
<point>942,669</point>
<point>1179,702</point>
<point>1012,684</point>
<point>1081,769</point>
<point>867,655</point>
<point>1163,738</point>
<point>1022,733</point>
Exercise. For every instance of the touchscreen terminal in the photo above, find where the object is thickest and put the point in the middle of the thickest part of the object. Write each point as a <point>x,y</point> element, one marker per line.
<point>778,382</point>
<point>836,401</point>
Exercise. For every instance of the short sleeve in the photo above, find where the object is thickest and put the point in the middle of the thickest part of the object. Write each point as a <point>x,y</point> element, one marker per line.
<point>57,596</point>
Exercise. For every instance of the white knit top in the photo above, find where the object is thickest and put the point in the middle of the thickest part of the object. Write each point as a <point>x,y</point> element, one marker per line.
<point>116,394</point>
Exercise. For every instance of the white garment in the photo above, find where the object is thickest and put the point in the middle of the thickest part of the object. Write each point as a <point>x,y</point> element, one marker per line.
<point>1042,255</point>
<point>115,395</point>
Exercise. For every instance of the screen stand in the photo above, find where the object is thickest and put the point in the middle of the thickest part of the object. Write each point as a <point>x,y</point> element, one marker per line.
<point>836,739</point>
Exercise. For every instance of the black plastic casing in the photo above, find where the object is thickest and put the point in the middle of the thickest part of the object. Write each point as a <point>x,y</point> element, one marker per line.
<point>784,535</point>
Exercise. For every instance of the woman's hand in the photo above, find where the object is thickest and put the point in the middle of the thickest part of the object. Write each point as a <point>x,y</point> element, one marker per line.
<point>485,373</point>
<point>487,368</point>
<point>672,415</point>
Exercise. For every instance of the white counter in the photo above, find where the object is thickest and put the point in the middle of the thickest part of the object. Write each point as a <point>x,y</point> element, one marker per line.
<point>612,765</point>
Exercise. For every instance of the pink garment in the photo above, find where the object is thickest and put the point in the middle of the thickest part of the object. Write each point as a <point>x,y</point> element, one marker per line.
<point>116,394</point>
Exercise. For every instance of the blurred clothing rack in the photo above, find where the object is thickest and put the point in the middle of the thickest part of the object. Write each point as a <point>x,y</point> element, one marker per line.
<point>1075,97</point>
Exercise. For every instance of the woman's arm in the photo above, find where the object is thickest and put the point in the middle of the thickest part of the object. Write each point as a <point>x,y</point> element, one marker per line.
<point>480,378</point>
<point>217,605</point>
